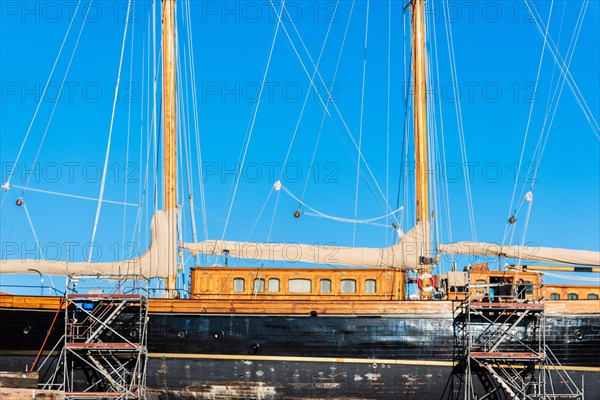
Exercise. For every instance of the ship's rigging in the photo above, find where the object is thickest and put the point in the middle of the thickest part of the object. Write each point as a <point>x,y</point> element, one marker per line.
<point>284,25</point>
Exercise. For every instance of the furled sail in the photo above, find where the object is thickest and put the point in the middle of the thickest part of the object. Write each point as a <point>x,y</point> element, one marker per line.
<point>157,262</point>
<point>406,254</point>
<point>531,253</point>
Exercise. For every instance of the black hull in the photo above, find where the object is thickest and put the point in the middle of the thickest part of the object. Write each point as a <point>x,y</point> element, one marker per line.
<point>240,356</point>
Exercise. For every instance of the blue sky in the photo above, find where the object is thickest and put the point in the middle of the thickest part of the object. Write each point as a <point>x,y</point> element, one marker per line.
<point>497,49</point>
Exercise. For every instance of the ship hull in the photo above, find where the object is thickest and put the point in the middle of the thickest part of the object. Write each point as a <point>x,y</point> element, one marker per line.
<point>352,356</point>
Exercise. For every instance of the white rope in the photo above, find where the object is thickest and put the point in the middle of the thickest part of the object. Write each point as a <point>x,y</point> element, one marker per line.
<point>552,108</point>
<point>137,227</point>
<point>441,135</point>
<point>329,98</point>
<point>37,108</point>
<point>58,96</point>
<point>353,221</point>
<point>251,130</point>
<point>555,99</point>
<point>362,112</point>
<point>564,69</point>
<point>403,176</point>
<point>37,242</point>
<point>108,145</point>
<point>73,196</point>
<point>339,219</point>
<point>329,95</point>
<point>460,126</point>
<point>127,141</point>
<point>297,127</point>
<point>529,199</point>
<point>533,102</point>
<point>262,209</point>
<point>432,143</point>
<point>387,117</point>
<point>196,119</point>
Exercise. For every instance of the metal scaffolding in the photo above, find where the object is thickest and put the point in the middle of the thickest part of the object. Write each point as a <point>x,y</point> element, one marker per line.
<point>104,351</point>
<point>502,342</point>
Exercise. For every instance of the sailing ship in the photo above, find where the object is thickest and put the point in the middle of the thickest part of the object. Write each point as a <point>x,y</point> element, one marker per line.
<point>347,331</point>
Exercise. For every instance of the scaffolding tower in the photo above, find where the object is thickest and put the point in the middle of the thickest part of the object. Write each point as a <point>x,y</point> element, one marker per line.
<point>502,343</point>
<point>104,352</point>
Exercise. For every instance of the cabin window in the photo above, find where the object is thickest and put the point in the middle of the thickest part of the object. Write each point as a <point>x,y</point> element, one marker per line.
<point>273,285</point>
<point>325,285</point>
<point>592,296</point>
<point>555,296</point>
<point>299,285</point>
<point>238,285</point>
<point>348,286</point>
<point>572,296</point>
<point>370,286</point>
<point>259,285</point>
<point>528,287</point>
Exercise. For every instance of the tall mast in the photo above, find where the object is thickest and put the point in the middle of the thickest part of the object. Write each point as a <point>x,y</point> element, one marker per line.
<point>420,108</point>
<point>420,128</point>
<point>169,122</point>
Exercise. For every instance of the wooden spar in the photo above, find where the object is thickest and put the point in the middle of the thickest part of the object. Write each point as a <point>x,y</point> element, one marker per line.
<point>169,122</point>
<point>420,108</point>
<point>559,268</point>
<point>420,122</point>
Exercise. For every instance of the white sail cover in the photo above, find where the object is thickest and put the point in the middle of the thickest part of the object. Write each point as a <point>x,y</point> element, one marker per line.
<point>403,255</point>
<point>530,253</point>
<point>157,262</point>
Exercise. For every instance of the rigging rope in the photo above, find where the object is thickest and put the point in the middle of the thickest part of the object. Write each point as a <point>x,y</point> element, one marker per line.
<point>73,196</point>
<point>37,242</point>
<point>387,117</point>
<point>110,132</point>
<point>460,126</point>
<point>196,119</point>
<point>403,173</point>
<point>432,148</point>
<point>279,186</point>
<point>541,146</point>
<point>555,99</point>
<point>564,69</point>
<point>296,128</point>
<point>127,141</point>
<point>362,111</point>
<point>325,86</point>
<point>441,135</point>
<point>329,99</point>
<point>533,102</point>
<point>6,185</point>
<point>251,130</point>
<point>58,96</point>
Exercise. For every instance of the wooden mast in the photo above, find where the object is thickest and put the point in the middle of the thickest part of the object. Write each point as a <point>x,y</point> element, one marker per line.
<point>420,108</point>
<point>420,122</point>
<point>169,123</point>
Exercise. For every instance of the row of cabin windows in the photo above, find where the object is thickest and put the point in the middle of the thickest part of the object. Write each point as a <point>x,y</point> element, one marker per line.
<point>573,296</point>
<point>300,285</point>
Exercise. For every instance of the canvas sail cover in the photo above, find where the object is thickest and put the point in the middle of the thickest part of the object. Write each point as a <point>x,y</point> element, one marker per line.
<point>403,255</point>
<point>157,262</point>
<point>530,253</point>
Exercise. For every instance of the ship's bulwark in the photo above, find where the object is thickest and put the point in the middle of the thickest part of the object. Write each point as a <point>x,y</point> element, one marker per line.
<point>230,356</point>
